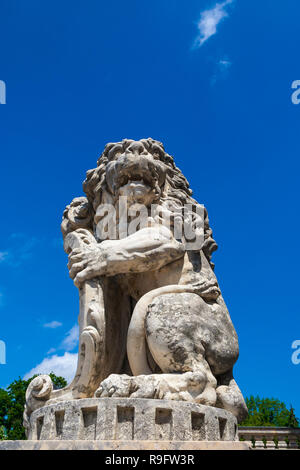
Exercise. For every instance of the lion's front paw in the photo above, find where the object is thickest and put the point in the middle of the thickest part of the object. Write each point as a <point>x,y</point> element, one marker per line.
<point>115,386</point>
<point>125,386</point>
<point>144,386</point>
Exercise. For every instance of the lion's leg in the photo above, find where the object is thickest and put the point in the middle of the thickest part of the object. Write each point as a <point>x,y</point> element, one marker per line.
<point>230,397</point>
<point>175,339</point>
<point>175,342</point>
<point>189,339</point>
<point>191,386</point>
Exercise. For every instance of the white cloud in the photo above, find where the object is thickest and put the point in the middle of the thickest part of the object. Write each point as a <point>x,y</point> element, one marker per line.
<point>224,63</point>
<point>71,339</point>
<point>64,366</point>
<point>3,255</point>
<point>221,70</point>
<point>51,351</point>
<point>53,324</point>
<point>209,21</point>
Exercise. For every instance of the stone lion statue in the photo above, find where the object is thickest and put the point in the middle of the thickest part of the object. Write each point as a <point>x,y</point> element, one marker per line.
<point>153,322</point>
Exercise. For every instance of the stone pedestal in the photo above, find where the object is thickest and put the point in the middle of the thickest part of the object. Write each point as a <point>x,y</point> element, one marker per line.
<point>129,424</point>
<point>128,419</point>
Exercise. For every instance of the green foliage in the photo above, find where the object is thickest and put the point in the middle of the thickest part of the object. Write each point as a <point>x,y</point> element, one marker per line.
<point>2,433</point>
<point>12,401</point>
<point>269,412</point>
<point>293,422</point>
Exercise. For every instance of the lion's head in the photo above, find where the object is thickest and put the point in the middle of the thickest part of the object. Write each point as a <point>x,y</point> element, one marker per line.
<point>144,173</point>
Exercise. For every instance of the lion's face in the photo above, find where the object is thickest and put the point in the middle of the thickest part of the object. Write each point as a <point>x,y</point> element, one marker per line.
<point>136,173</point>
<point>142,171</point>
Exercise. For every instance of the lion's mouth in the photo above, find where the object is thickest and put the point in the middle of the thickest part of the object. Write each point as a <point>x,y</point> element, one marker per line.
<point>136,178</point>
<point>128,168</point>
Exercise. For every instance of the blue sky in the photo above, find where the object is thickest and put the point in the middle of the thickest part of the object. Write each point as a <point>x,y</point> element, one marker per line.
<point>213,83</point>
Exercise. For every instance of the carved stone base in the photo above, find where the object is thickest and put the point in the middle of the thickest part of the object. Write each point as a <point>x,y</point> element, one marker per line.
<point>131,419</point>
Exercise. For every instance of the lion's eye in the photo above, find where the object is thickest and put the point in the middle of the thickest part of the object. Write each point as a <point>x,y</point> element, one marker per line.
<point>115,153</point>
<point>156,155</point>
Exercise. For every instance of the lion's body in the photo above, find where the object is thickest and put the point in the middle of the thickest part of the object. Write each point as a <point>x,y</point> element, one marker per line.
<point>180,331</point>
<point>210,324</point>
<point>186,329</point>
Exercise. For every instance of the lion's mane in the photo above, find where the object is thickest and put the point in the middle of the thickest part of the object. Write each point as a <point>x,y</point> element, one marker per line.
<point>80,213</point>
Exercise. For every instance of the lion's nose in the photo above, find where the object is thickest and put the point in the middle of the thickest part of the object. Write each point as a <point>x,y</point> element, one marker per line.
<point>136,147</point>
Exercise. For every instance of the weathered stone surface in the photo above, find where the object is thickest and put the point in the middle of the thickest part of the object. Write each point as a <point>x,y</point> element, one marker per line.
<point>131,419</point>
<point>123,445</point>
<point>153,323</point>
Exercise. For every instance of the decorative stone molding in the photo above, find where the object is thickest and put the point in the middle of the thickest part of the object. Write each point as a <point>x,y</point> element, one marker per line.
<point>270,437</point>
